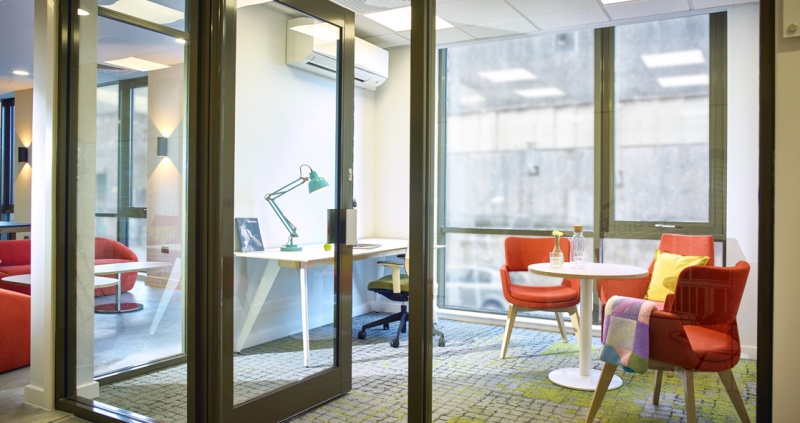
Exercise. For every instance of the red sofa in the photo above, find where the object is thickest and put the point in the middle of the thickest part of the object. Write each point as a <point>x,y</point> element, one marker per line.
<point>15,259</point>
<point>15,335</point>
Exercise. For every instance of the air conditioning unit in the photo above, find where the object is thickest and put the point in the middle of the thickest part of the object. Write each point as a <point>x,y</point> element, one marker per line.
<point>312,45</point>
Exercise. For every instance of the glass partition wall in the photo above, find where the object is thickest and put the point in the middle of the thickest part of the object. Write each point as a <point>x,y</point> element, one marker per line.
<point>131,208</point>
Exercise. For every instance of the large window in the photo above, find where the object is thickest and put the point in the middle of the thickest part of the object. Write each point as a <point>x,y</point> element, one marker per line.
<point>6,158</point>
<point>613,129</point>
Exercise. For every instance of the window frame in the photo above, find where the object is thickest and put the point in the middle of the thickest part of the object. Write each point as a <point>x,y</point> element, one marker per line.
<point>7,142</point>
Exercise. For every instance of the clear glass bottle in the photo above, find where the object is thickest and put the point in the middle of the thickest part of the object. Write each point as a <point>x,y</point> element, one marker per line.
<point>578,248</point>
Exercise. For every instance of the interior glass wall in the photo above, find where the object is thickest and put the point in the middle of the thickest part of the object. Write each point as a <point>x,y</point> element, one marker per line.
<point>131,179</point>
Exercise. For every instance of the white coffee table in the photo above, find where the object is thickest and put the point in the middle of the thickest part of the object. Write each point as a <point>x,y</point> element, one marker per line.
<point>583,377</point>
<point>99,281</point>
<point>118,269</point>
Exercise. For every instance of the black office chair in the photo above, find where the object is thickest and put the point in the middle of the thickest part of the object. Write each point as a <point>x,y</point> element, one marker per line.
<point>395,288</point>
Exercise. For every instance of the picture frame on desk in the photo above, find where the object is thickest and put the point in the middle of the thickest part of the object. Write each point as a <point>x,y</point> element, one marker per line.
<point>249,234</point>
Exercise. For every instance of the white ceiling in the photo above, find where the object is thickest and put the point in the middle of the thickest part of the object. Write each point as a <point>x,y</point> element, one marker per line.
<point>471,19</point>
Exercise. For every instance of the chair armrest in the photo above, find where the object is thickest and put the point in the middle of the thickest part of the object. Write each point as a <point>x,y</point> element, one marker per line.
<point>634,288</point>
<point>395,267</point>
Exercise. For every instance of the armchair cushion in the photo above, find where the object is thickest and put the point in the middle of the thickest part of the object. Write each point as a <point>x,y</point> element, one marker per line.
<point>666,269</point>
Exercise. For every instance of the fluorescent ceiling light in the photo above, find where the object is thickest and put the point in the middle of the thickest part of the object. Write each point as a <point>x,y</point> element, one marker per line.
<point>180,41</point>
<point>243,3</point>
<point>82,12</point>
<point>400,19</point>
<point>147,10</point>
<point>508,75</point>
<point>683,81</point>
<point>614,1</point>
<point>320,30</point>
<point>21,73</point>
<point>137,64</point>
<point>675,58</point>
<point>540,92</point>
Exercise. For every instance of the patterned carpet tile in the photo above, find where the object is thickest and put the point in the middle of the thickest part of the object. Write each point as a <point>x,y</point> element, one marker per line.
<point>471,383</point>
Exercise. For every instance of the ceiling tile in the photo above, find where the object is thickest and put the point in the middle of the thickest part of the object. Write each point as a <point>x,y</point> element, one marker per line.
<point>388,41</point>
<point>641,8</point>
<point>705,4</point>
<point>571,19</point>
<point>451,35</point>
<point>366,27</point>
<point>499,29</point>
<point>476,12</point>
<point>533,8</point>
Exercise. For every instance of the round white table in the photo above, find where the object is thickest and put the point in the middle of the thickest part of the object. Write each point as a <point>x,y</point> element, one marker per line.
<point>25,279</point>
<point>585,378</point>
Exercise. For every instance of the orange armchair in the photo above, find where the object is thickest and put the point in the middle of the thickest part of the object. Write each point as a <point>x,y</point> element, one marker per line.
<point>685,245</point>
<point>521,252</point>
<point>700,334</point>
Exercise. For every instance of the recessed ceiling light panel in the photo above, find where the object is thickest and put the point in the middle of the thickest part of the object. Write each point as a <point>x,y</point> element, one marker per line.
<point>508,75</point>
<point>683,80</point>
<point>137,64</point>
<point>147,10</point>
<point>674,58</point>
<point>400,19</point>
<point>20,72</point>
<point>540,92</point>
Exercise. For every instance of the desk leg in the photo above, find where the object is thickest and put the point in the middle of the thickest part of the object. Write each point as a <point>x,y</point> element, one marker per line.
<point>264,286</point>
<point>584,377</point>
<point>118,306</point>
<point>166,296</point>
<point>304,310</point>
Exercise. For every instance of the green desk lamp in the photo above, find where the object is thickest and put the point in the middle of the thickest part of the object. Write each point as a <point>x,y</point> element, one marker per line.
<point>315,183</point>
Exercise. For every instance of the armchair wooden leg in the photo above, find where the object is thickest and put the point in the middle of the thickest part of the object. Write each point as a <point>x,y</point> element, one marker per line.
<point>600,392</point>
<point>657,386</point>
<point>576,320</point>
<point>512,315</point>
<point>688,389</point>
<point>560,321</point>
<point>733,392</point>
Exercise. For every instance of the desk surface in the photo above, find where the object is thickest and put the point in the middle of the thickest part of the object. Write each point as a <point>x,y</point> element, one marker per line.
<point>591,271</point>
<point>315,255</point>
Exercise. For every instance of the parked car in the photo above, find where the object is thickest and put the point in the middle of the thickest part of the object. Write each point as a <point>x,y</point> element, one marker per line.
<point>474,287</point>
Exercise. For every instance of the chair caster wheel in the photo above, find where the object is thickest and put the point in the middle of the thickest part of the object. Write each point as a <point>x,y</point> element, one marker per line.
<point>385,326</point>
<point>441,341</point>
<point>394,343</point>
<point>362,334</point>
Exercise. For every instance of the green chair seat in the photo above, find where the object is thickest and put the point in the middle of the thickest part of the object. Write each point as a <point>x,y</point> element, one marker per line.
<point>385,283</point>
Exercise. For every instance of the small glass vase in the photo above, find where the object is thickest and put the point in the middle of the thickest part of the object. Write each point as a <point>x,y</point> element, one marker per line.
<point>556,256</point>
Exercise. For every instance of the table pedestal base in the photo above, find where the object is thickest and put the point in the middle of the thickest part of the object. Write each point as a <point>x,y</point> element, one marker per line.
<point>112,308</point>
<point>571,378</point>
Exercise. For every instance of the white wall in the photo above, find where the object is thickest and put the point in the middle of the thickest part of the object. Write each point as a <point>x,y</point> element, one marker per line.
<point>742,183</point>
<point>23,127</point>
<point>286,117</point>
<point>786,343</point>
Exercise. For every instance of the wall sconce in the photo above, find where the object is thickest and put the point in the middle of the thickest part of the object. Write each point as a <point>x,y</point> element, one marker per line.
<point>161,147</point>
<point>22,155</point>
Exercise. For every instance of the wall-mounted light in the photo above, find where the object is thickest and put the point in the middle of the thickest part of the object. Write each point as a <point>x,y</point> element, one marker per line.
<point>161,147</point>
<point>22,155</point>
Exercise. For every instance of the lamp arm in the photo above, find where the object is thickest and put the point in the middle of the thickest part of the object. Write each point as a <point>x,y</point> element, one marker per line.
<point>286,223</point>
<point>272,196</point>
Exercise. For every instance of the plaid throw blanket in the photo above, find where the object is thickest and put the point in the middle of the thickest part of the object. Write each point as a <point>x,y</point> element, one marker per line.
<point>626,329</point>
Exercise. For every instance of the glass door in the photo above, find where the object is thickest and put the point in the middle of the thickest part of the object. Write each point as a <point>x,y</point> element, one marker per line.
<point>287,310</point>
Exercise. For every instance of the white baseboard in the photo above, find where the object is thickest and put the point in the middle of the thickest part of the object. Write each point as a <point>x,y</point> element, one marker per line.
<point>749,352</point>
<point>35,396</point>
<point>89,390</point>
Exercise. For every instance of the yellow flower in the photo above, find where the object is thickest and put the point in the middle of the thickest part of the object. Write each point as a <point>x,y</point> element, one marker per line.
<point>558,233</point>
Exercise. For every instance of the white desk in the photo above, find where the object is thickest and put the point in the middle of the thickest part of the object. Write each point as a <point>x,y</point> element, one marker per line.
<point>312,255</point>
<point>118,269</point>
<point>99,281</point>
<point>583,377</point>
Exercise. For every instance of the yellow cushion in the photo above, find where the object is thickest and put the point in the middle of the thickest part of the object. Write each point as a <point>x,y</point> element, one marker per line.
<point>666,270</point>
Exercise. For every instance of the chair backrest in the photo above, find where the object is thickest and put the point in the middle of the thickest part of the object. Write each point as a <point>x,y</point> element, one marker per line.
<point>524,251</point>
<point>710,295</point>
<point>686,245</point>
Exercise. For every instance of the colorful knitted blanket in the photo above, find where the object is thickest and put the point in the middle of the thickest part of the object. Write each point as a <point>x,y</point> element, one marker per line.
<point>626,340</point>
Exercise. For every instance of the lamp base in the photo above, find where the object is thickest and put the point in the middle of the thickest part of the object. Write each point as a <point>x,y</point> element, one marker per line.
<point>291,247</point>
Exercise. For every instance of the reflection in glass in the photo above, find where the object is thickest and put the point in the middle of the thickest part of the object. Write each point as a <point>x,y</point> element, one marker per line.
<point>661,121</point>
<point>520,133</point>
<point>275,138</point>
<point>131,211</point>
